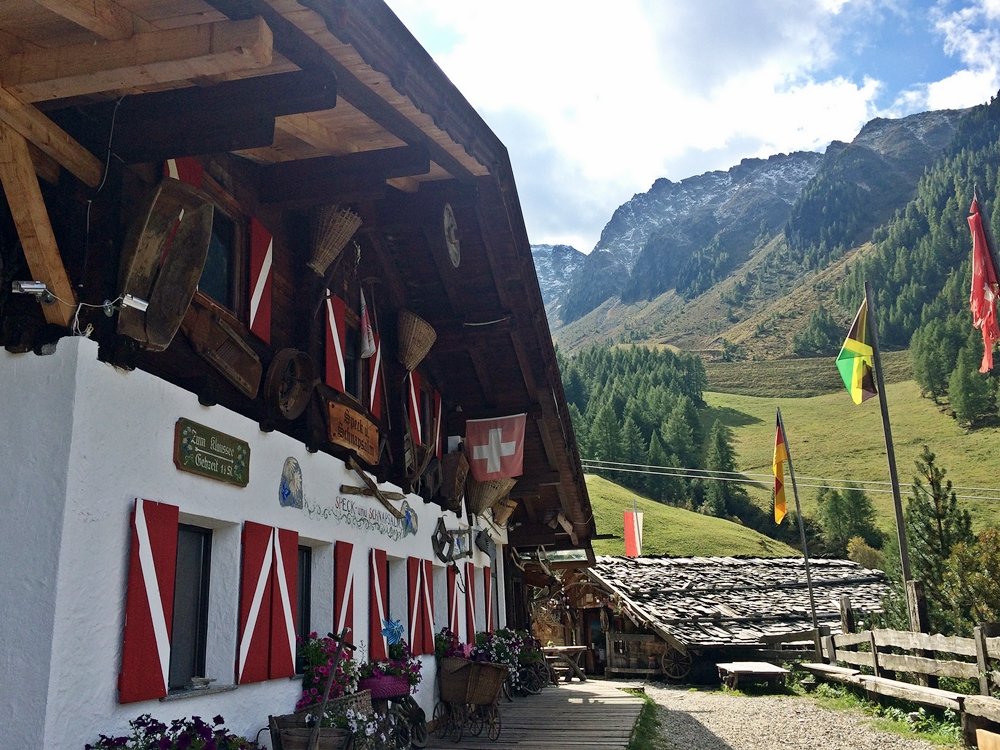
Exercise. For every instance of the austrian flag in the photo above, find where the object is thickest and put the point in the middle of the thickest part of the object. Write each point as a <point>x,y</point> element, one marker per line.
<point>495,447</point>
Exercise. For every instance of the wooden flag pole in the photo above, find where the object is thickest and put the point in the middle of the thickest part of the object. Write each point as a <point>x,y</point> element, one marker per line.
<point>802,527</point>
<point>890,453</point>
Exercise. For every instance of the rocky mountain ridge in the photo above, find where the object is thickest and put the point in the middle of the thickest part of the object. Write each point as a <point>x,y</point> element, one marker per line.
<point>687,237</point>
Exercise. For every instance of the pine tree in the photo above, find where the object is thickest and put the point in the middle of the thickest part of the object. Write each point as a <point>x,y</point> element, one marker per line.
<point>968,391</point>
<point>604,439</point>
<point>934,525</point>
<point>720,457</point>
<point>844,515</point>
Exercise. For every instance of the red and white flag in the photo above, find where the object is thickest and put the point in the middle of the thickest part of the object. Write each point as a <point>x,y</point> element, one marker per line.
<point>983,298</point>
<point>633,533</point>
<point>367,334</point>
<point>495,447</point>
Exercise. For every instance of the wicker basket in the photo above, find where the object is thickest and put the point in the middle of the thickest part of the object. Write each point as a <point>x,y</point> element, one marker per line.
<point>290,732</point>
<point>331,228</point>
<point>463,681</point>
<point>360,701</point>
<point>486,682</point>
<point>416,337</point>
<point>453,679</point>
<point>385,686</point>
<point>483,495</point>
<point>454,470</point>
<point>503,510</point>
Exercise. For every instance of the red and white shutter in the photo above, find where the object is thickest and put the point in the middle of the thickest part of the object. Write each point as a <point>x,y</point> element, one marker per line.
<point>375,381</point>
<point>420,605</point>
<point>436,441</point>
<point>343,588</point>
<point>149,602</point>
<point>284,601</point>
<point>488,598</point>
<point>268,592</point>
<point>378,601</point>
<point>255,604</point>
<point>470,601</point>
<point>186,169</point>
<point>336,342</point>
<point>261,256</point>
<point>413,406</point>
<point>454,600</point>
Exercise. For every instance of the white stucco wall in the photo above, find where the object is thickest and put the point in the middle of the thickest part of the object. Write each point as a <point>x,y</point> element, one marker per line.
<point>81,441</point>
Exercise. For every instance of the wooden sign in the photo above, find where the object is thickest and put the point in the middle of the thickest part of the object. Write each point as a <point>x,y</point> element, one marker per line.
<point>202,450</point>
<point>353,430</point>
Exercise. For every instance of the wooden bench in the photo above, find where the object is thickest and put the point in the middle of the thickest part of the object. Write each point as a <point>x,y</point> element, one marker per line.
<point>751,671</point>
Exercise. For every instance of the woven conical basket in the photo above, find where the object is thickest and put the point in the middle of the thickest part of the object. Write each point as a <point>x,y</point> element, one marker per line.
<point>331,228</point>
<point>483,495</point>
<point>416,337</point>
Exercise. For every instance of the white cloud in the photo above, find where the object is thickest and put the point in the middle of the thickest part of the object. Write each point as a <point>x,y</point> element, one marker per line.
<point>595,101</point>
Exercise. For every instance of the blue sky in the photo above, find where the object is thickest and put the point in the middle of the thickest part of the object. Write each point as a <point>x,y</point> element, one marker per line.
<point>596,100</point>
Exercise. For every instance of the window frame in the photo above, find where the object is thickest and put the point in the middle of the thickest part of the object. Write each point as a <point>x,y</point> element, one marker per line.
<point>222,201</point>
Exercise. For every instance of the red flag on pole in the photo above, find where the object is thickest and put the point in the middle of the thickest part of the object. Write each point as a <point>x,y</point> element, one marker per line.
<point>495,447</point>
<point>984,287</point>
<point>633,533</point>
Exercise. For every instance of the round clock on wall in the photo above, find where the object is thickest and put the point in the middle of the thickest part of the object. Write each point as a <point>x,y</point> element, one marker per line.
<point>451,235</point>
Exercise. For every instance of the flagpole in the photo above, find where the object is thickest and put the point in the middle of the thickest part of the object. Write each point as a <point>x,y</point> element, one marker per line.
<point>904,552</point>
<point>802,526</point>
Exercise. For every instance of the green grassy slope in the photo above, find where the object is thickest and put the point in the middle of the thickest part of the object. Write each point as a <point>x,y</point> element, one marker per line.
<point>831,438</point>
<point>673,531</point>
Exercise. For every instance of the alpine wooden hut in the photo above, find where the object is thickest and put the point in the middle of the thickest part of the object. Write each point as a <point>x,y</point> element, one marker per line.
<point>261,266</point>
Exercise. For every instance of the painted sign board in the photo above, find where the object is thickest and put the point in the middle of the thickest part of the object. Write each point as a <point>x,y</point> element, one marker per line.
<point>353,430</point>
<point>210,453</point>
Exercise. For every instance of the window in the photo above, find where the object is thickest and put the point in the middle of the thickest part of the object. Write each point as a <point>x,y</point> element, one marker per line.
<point>352,363</point>
<point>304,603</point>
<point>218,275</point>
<point>190,621</point>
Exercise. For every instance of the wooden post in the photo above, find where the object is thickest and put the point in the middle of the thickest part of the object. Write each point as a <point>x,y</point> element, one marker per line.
<point>848,623</point>
<point>822,632</point>
<point>916,604</point>
<point>979,634</point>
<point>874,645</point>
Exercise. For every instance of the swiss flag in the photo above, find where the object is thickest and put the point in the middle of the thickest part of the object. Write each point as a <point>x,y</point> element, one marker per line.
<point>495,447</point>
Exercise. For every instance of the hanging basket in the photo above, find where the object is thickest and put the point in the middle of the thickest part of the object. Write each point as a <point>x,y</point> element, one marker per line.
<point>331,228</point>
<point>483,495</point>
<point>503,510</point>
<point>416,337</point>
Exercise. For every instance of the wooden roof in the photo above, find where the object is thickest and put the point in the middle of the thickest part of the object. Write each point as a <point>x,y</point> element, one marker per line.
<point>324,101</point>
<point>714,602</point>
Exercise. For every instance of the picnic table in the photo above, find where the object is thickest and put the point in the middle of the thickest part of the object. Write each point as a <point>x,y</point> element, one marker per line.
<point>751,671</point>
<point>566,659</point>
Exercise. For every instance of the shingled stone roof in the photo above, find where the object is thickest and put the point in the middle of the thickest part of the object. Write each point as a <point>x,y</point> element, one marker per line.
<point>708,602</point>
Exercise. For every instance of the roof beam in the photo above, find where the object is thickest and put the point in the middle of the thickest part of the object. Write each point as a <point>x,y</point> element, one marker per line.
<point>316,180</point>
<point>31,218</point>
<point>103,17</point>
<point>199,119</point>
<point>50,139</point>
<point>156,57</point>
<point>299,47</point>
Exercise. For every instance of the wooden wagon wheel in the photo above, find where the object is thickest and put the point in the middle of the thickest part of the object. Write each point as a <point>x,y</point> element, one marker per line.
<point>289,383</point>
<point>675,664</point>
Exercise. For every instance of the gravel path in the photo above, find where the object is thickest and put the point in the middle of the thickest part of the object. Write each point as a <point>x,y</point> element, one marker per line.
<point>714,720</point>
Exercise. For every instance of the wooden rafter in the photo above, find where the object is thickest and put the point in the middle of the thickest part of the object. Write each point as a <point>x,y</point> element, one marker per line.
<point>105,18</point>
<point>49,138</point>
<point>324,178</point>
<point>24,197</point>
<point>150,58</point>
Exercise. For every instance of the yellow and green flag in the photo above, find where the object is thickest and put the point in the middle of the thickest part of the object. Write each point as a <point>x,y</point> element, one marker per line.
<point>855,359</point>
